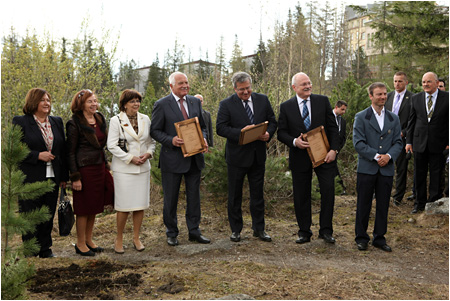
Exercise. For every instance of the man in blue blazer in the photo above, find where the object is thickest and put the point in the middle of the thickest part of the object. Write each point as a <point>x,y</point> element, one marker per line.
<point>377,140</point>
<point>298,115</point>
<point>236,112</point>
<point>427,138</point>
<point>168,110</point>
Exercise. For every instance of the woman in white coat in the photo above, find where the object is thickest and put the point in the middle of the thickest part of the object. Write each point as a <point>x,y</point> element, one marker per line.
<point>130,166</point>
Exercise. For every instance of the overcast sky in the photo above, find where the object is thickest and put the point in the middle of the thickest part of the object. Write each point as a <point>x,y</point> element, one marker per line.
<point>148,28</point>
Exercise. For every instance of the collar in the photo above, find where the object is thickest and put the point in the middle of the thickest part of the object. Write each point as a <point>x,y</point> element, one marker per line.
<point>376,113</point>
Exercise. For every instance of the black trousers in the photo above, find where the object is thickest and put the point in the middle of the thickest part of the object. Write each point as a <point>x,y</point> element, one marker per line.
<point>434,163</point>
<point>171,187</point>
<point>365,186</point>
<point>301,182</point>
<point>255,176</point>
<point>43,233</point>
<point>401,173</point>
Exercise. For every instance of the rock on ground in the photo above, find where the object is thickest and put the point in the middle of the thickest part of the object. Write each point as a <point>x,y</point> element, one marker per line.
<point>438,207</point>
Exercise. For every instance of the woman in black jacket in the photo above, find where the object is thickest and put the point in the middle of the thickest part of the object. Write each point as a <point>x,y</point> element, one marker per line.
<point>44,136</point>
<point>92,182</point>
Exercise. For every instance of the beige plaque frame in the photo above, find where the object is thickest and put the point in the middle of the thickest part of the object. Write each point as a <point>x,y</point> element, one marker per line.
<point>318,145</point>
<point>189,130</point>
<point>251,134</point>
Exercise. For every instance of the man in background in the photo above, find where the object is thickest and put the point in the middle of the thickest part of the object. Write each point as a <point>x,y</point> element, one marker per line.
<point>207,119</point>
<point>399,103</point>
<point>338,111</point>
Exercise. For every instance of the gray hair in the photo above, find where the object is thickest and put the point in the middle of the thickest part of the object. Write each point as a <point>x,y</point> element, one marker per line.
<point>172,77</point>
<point>240,77</point>
<point>295,75</point>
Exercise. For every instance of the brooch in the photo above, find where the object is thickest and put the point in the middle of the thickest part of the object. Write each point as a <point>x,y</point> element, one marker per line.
<point>125,124</point>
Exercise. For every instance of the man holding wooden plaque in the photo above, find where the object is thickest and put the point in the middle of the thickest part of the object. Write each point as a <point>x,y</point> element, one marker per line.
<point>301,114</point>
<point>247,120</point>
<point>170,113</point>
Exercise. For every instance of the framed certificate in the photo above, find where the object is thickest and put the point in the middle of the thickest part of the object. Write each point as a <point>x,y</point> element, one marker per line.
<point>318,145</point>
<point>252,133</point>
<point>189,130</point>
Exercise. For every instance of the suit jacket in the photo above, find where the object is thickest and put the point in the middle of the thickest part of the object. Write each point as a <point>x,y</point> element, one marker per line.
<point>209,130</point>
<point>165,113</point>
<point>232,117</point>
<point>342,134</point>
<point>137,144</point>
<point>33,168</point>
<point>290,126</point>
<point>369,139</point>
<point>421,133</point>
<point>403,112</point>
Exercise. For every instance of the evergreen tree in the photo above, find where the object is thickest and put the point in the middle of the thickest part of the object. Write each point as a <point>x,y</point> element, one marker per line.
<point>237,62</point>
<point>16,272</point>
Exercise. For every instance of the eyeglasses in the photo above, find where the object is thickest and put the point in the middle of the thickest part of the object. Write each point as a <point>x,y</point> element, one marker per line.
<point>83,92</point>
<point>135,101</point>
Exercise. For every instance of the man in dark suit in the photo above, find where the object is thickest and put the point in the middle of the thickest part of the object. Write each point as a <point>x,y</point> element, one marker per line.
<point>168,110</point>
<point>399,103</point>
<point>237,112</point>
<point>427,137</point>
<point>298,115</point>
<point>376,138</point>
<point>339,111</point>
<point>207,119</point>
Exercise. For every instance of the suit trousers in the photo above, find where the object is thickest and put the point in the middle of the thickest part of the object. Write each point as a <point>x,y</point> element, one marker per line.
<point>365,186</point>
<point>43,230</point>
<point>301,182</point>
<point>255,176</point>
<point>434,163</point>
<point>171,187</point>
<point>401,173</point>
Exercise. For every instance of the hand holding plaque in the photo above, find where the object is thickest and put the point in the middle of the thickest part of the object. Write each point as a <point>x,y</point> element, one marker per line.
<point>251,133</point>
<point>318,145</point>
<point>189,130</point>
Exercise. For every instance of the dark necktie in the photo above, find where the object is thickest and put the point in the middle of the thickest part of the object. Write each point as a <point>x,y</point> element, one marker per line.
<point>249,111</point>
<point>430,106</point>
<point>183,110</point>
<point>305,116</point>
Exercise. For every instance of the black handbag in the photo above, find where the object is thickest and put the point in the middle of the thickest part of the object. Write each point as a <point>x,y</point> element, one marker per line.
<point>66,218</point>
<point>122,143</point>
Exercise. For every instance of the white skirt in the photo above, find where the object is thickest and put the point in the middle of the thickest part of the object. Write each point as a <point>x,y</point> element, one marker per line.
<point>131,191</point>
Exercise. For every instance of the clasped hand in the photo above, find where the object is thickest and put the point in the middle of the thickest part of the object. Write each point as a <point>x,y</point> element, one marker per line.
<point>141,159</point>
<point>46,156</point>
<point>383,160</point>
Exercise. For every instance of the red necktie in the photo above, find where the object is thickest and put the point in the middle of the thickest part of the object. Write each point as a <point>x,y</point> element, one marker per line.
<point>183,110</point>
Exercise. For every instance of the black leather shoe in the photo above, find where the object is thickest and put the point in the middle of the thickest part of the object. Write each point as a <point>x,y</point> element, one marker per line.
<point>384,247</point>
<point>417,209</point>
<point>397,203</point>
<point>303,239</point>
<point>172,241</point>
<point>199,238</point>
<point>95,250</point>
<point>47,255</point>
<point>262,235</point>
<point>235,236</point>
<point>88,253</point>
<point>411,197</point>
<point>362,246</point>
<point>327,238</point>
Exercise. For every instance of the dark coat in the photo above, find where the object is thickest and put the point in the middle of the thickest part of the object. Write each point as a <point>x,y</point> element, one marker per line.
<point>83,147</point>
<point>33,168</point>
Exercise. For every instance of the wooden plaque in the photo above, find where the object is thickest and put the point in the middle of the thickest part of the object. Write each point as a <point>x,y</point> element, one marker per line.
<point>318,145</point>
<point>189,130</point>
<point>252,133</point>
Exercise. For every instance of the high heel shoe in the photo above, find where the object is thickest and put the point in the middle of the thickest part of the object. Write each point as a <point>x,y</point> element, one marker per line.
<point>95,250</point>
<point>88,253</point>
<point>118,251</point>
<point>139,250</point>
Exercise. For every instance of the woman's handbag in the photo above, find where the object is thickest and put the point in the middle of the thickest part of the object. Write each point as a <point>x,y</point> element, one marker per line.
<point>122,143</point>
<point>66,218</point>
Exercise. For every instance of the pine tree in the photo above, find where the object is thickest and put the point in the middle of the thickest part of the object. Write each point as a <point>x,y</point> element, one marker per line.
<point>15,269</point>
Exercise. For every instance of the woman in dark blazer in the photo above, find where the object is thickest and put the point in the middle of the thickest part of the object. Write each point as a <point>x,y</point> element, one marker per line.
<point>92,183</point>
<point>44,136</point>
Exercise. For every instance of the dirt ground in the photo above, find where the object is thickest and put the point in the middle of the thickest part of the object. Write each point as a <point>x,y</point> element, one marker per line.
<point>418,267</point>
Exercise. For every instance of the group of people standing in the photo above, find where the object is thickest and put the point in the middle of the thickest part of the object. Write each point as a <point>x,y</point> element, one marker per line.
<point>377,137</point>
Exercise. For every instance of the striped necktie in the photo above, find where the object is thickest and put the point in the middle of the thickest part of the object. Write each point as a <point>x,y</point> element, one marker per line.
<point>249,111</point>
<point>305,115</point>
<point>430,107</point>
